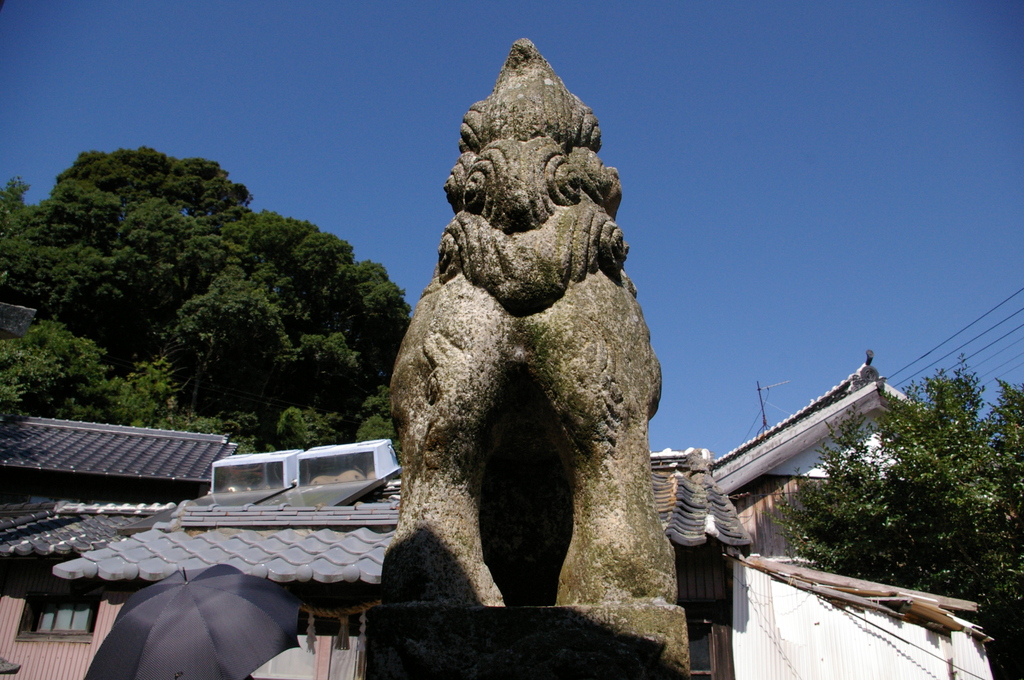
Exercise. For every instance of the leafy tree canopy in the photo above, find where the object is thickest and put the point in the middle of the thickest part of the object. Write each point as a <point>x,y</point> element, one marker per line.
<point>178,306</point>
<point>929,498</point>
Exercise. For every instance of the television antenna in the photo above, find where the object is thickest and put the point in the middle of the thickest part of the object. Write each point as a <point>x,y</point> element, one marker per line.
<point>764,418</point>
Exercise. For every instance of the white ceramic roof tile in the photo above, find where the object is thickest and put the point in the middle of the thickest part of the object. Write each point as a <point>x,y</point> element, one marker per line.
<point>111,569</point>
<point>235,544</point>
<point>340,556</point>
<point>280,571</point>
<point>174,554</point>
<point>72,569</point>
<point>377,555</point>
<point>366,535</point>
<point>295,555</point>
<point>275,544</point>
<point>313,545</point>
<point>214,554</point>
<point>369,571</point>
<point>154,569</point>
<point>100,555</point>
<point>255,555</point>
<point>326,536</point>
<point>351,573</point>
<point>288,536</point>
<point>244,567</point>
<point>326,572</point>
<point>356,544</point>
<point>325,556</point>
<point>192,564</point>
<point>194,544</point>
<point>137,555</point>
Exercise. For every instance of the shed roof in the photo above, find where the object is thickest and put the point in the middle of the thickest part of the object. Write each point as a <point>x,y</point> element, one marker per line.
<point>920,608</point>
<point>112,450</point>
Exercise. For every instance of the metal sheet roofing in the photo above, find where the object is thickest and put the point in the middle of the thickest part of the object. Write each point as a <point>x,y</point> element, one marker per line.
<point>94,448</point>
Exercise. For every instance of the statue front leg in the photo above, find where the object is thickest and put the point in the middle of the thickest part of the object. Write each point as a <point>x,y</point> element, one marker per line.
<point>594,360</point>
<point>447,380</point>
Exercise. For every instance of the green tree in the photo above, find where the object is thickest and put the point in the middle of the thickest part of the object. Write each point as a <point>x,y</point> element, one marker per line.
<point>53,373</point>
<point>259,324</point>
<point>928,498</point>
<point>12,200</point>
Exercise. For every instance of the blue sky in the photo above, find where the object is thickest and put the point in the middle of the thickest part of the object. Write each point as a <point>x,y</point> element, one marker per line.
<point>801,180</point>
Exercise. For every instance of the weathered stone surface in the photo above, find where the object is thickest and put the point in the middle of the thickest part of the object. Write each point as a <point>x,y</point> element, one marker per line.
<point>633,642</point>
<point>14,321</point>
<point>524,386</point>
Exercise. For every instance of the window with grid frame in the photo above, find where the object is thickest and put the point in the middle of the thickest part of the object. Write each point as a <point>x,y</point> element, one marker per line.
<point>64,617</point>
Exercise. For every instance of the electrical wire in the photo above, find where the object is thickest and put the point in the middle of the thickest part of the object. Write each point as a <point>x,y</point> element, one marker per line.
<point>782,410</point>
<point>750,429</point>
<point>893,375</point>
<point>954,351</point>
<point>992,356</point>
<point>999,377</point>
<point>1013,358</point>
<point>918,647</point>
<point>993,342</point>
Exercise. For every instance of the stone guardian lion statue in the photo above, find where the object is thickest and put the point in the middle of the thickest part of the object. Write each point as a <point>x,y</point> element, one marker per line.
<point>524,386</point>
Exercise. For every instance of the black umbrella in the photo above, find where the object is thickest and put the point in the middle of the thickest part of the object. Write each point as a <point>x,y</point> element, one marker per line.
<point>219,625</point>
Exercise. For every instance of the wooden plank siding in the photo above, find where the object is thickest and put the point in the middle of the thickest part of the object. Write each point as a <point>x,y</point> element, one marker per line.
<point>757,505</point>
<point>700,572</point>
<point>46,660</point>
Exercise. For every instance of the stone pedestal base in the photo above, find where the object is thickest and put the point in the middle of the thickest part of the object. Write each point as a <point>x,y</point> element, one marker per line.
<point>609,642</point>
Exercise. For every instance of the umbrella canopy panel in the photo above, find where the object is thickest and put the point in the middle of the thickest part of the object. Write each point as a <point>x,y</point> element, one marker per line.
<point>219,625</point>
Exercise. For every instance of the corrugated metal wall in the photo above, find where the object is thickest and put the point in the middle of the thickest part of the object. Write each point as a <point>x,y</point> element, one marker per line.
<point>46,660</point>
<point>971,659</point>
<point>783,633</point>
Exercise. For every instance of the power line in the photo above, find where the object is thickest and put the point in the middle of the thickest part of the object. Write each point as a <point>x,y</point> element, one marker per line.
<point>1013,358</point>
<point>908,642</point>
<point>953,351</point>
<point>995,354</point>
<point>999,377</point>
<point>994,342</point>
<point>955,334</point>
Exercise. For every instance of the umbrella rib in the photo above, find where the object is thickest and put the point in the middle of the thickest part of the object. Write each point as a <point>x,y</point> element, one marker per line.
<point>206,629</point>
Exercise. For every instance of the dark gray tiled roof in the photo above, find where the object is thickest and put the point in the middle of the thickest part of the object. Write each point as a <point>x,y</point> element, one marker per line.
<point>325,556</point>
<point>93,448</point>
<point>690,503</point>
<point>8,510</point>
<point>66,529</point>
